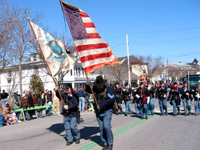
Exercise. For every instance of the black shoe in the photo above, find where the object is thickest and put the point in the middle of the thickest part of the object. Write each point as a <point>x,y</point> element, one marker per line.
<point>189,114</point>
<point>105,147</point>
<point>195,114</point>
<point>162,114</point>
<point>185,114</point>
<point>69,143</point>
<point>146,117</point>
<point>110,147</point>
<point>152,113</point>
<point>166,113</point>
<point>142,118</point>
<point>125,114</point>
<point>77,141</point>
<point>175,114</point>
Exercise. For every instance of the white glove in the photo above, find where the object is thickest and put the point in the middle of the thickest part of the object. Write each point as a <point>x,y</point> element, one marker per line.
<point>198,96</point>
<point>148,100</point>
<point>66,107</point>
<point>137,96</point>
<point>187,94</point>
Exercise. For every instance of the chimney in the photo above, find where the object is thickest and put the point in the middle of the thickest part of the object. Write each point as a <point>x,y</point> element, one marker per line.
<point>179,61</point>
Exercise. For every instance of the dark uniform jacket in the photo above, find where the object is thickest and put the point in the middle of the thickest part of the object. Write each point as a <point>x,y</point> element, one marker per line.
<point>162,93</point>
<point>126,94</point>
<point>105,98</point>
<point>184,92</point>
<point>142,92</point>
<point>72,102</point>
<point>135,99</point>
<point>151,92</point>
<point>118,95</point>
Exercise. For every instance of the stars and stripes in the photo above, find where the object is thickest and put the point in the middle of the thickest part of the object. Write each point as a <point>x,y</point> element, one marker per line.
<point>93,51</point>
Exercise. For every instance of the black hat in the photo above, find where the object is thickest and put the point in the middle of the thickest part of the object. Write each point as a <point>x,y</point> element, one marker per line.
<point>175,83</point>
<point>136,85</point>
<point>161,82</point>
<point>7,105</point>
<point>68,85</point>
<point>184,82</point>
<point>100,81</point>
<point>126,84</point>
<point>141,83</point>
<point>116,83</point>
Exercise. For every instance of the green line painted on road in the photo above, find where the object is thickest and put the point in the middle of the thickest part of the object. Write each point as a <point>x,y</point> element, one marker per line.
<point>116,133</point>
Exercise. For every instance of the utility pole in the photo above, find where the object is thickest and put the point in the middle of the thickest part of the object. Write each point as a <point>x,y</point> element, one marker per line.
<point>167,71</point>
<point>129,73</point>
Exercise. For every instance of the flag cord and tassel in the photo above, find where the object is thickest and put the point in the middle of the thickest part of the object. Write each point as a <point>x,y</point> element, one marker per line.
<point>44,59</point>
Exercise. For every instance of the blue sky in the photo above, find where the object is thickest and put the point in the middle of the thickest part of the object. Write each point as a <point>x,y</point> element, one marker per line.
<point>167,28</point>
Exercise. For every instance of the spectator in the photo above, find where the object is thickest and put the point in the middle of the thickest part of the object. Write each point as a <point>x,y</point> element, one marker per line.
<point>1,120</point>
<point>7,111</point>
<point>81,95</point>
<point>30,104</point>
<point>49,102</point>
<point>40,103</point>
<point>24,103</point>
<point>4,96</point>
<point>16,102</point>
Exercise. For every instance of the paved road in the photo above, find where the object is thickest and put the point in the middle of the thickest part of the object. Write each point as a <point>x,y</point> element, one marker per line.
<point>156,133</point>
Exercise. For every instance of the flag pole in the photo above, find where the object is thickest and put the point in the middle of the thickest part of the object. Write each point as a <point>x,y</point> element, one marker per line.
<point>129,73</point>
<point>44,59</point>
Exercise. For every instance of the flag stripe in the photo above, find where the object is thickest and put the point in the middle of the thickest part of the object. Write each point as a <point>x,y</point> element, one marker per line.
<point>88,42</point>
<point>97,61</point>
<point>83,14</point>
<point>93,51</point>
<point>89,25</point>
<point>93,35</point>
<point>95,56</point>
<point>90,47</point>
<point>91,30</point>
<point>93,67</point>
<point>86,19</point>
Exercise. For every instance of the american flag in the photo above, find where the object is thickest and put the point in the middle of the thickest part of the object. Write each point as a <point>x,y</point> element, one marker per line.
<point>93,51</point>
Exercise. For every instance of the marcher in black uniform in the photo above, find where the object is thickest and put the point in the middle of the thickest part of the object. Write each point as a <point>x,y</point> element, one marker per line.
<point>118,97</point>
<point>150,103</point>
<point>106,98</point>
<point>196,95</point>
<point>162,98</point>
<point>142,95</point>
<point>186,97</point>
<point>175,99</point>
<point>136,100</point>
<point>127,100</point>
<point>70,114</point>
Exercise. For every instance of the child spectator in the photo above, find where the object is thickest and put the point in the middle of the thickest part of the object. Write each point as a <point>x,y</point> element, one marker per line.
<point>1,120</point>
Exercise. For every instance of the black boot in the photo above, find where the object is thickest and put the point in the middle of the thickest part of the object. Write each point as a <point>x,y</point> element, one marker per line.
<point>110,147</point>
<point>105,147</point>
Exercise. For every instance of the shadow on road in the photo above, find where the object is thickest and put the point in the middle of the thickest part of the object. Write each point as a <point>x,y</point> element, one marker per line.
<point>87,133</point>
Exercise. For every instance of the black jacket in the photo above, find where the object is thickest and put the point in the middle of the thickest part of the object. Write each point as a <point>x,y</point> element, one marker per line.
<point>162,93</point>
<point>72,102</point>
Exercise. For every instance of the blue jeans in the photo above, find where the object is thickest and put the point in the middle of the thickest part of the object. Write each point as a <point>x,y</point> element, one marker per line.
<point>104,120</point>
<point>197,107</point>
<point>143,110</point>
<point>81,103</point>
<point>40,114</point>
<point>4,102</point>
<point>175,106</point>
<point>71,128</point>
<point>27,115</point>
<point>187,105</point>
<point>163,105</point>
<point>128,109</point>
<point>151,106</point>
<point>136,108</point>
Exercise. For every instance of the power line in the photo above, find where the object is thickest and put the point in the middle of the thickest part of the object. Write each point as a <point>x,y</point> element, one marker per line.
<point>172,30</point>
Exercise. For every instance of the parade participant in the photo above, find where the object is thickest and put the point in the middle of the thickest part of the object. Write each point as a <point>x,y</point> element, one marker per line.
<point>175,99</point>
<point>142,95</point>
<point>186,97</point>
<point>151,93</point>
<point>127,93</point>
<point>196,94</point>
<point>16,102</point>
<point>118,100</point>
<point>81,96</point>
<point>162,98</point>
<point>4,97</point>
<point>136,100</point>
<point>105,98</point>
<point>70,114</point>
